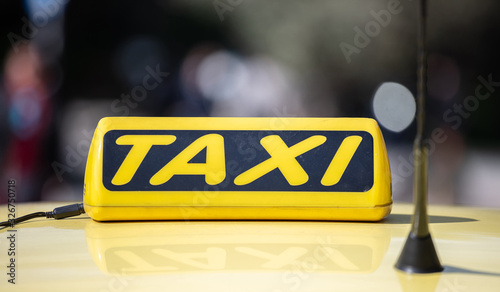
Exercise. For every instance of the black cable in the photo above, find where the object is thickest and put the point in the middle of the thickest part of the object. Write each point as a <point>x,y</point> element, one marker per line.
<point>57,213</point>
<point>12,222</point>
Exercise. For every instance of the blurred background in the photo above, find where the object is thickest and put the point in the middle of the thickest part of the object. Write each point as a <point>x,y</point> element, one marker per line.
<point>64,64</point>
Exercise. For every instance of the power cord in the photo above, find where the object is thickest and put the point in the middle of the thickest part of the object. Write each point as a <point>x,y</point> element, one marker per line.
<point>57,213</point>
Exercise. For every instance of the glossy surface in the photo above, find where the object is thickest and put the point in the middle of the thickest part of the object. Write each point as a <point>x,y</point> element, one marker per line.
<point>79,254</point>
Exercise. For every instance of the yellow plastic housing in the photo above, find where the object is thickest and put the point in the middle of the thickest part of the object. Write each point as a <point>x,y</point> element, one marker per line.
<point>163,168</point>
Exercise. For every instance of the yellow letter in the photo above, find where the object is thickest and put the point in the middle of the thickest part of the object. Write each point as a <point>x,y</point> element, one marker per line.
<point>214,169</point>
<point>283,158</point>
<point>341,160</point>
<point>140,147</point>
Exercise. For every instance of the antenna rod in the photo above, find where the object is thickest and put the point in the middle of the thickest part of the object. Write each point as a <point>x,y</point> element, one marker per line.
<point>419,254</point>
<point>421,73</point>
<point>420,224</point>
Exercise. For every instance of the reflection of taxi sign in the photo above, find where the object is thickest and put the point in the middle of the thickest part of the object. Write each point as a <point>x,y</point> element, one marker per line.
<point>291,248</point>
<point>237,168</point>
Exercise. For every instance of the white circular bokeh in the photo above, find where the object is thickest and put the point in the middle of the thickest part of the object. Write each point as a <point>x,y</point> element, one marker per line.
<point>394,106</point>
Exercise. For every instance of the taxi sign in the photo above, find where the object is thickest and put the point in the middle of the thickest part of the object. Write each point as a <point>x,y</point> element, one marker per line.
<point>237,168</point>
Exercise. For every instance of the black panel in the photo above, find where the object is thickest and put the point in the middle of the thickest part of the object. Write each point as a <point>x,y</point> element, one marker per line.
<point>242,152</point>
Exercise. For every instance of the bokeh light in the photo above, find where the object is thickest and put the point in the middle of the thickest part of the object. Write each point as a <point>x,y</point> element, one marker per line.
<point>394,106</point>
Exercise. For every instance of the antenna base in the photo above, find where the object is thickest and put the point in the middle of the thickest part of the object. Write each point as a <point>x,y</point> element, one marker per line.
<point>419,256</point>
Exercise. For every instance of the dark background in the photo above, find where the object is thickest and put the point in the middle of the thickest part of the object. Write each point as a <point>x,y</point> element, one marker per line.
<point>78,62</point>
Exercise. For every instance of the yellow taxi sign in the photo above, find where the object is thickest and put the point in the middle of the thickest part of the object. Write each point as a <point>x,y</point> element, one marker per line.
<point>237,168</point>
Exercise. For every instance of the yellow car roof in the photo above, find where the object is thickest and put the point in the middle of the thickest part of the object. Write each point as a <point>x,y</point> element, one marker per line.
<point>84,255</point>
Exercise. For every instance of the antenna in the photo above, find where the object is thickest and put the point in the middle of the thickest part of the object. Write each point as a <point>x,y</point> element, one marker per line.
<point>419,254</point>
